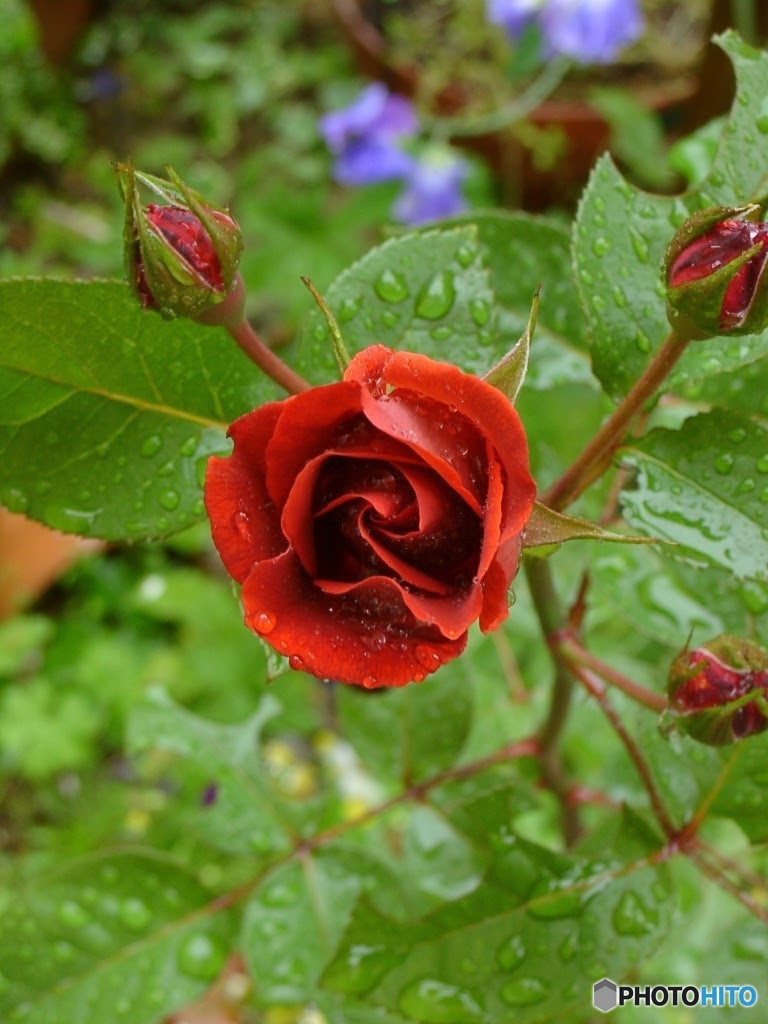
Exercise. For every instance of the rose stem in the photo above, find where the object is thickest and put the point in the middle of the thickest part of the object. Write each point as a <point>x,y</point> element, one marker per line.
<point>596,689</point>
<point>596,457</point>
<point>266,360</point>
<point>572,652</point>
<point>551,619</point>
<point>719,877</point>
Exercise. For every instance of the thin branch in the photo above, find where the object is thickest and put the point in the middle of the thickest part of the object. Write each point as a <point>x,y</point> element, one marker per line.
<point>596,689</point>
<point>550,614</point>
<point>596,457</point>
<point>574,653</point>
<point>719,877</point>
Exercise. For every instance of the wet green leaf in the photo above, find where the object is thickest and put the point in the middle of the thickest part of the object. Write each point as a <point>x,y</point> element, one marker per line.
<point>126,937</point>
<point>702,487</point>
<point>108,413</point>
<point>620,235</point>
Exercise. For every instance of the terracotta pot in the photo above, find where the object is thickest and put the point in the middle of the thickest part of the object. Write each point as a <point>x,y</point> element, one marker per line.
<point>61,23</point>
<point>31,557</point>
<point>585,132</point>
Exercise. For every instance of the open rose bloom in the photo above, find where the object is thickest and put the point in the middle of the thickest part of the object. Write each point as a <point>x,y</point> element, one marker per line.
<point>372,521</point>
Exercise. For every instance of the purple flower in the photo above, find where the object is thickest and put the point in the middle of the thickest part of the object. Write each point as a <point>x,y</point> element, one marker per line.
<point>432,189</point>
<point>365,137</point>
<point>513,16</point>
<point>591,31</point>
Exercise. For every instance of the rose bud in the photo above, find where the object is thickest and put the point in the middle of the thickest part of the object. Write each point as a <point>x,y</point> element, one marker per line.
<point>372,521</point>
<point>181,257</point>
<point>719,693</point>
<point>715,272</point>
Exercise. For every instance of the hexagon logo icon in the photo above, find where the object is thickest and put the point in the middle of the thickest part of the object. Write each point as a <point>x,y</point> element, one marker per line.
<point>604,995</point>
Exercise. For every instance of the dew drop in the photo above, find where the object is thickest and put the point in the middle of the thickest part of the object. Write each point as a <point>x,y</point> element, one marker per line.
<point>296,663</point>
<point>746,485</point>
<point>264,623</point>
<point>550,903</point>
<point>72,914</point>
<point>440,333</point>
<point>523,992</point>
<point>632,917</point>
<point>480,311</point>
<point>762,464</point>
<point>170,500</point>
<point>391,286</point>
<point>436,297</point>
<point>201,957</point>
<point>280,895</point>
<point>737,435</point>
<point>370,682</point>
<point>14,500</point>
<point>319,332</point>
<point>151,446</point>
<point>724,463</point>
<point>511,953</point>
<point>435,1002</point>
<point>348,309</point>
<point>569,947</point>
<point>466,254</point>
<point>135,914</point>
<point>601,246</point>
<point>762,124</point>
<point>389,318</point>
<point>189,448</point>
<point>428,658</point>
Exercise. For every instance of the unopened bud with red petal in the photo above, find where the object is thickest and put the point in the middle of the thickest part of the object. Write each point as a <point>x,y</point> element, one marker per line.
<point>715,269</point>
<point>718,693</point>
<point>181,255</point>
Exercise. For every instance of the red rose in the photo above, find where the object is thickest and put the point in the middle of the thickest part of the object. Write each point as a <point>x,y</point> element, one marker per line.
<point>371,521</point>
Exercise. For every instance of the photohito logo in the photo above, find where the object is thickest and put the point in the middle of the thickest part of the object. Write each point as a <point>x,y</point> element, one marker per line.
<point>607,995</point>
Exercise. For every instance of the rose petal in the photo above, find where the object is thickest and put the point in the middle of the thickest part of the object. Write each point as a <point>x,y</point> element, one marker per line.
<point>308,426</point>
<point>407,572</point>
<point>497,582</point>
<point>244,523</point>
<point>366,638</point>
<point>493,513</point>
<point>299,514</point>
<point>482,404</point>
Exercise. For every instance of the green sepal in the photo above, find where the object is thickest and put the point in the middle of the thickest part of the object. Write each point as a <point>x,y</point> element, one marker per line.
<point>509,373</point>
<point>548,529</point>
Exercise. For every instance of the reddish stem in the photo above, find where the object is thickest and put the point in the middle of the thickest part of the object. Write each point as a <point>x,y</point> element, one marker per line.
<point>574,654</point>
<point>266,360</point>
<point>596,457</point>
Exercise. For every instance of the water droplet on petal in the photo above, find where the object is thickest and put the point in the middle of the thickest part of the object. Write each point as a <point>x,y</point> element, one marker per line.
<point>428,658</point>
<point>264,623</point>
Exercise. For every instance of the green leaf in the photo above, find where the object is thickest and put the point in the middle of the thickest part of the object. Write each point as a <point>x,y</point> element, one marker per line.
<point>424,292</point>
<point>702,487</point>
<point>620,235</point>
<point>732,781</point>
<point>666,599</point>
<point>297,915</point>
<point>410,733</point>
<point>524,254</point>
<point>546,527</point>
<point>244,815</point>
<point>108,413</point>
<point>20,641</point>
<point>524,947</point>
<point>125,936</point>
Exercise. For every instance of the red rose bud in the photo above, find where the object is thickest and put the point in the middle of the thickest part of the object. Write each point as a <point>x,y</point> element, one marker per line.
<point>719,693</point>
<point>181,257</point>
<point>372,521</point>
<point>715,271</point>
